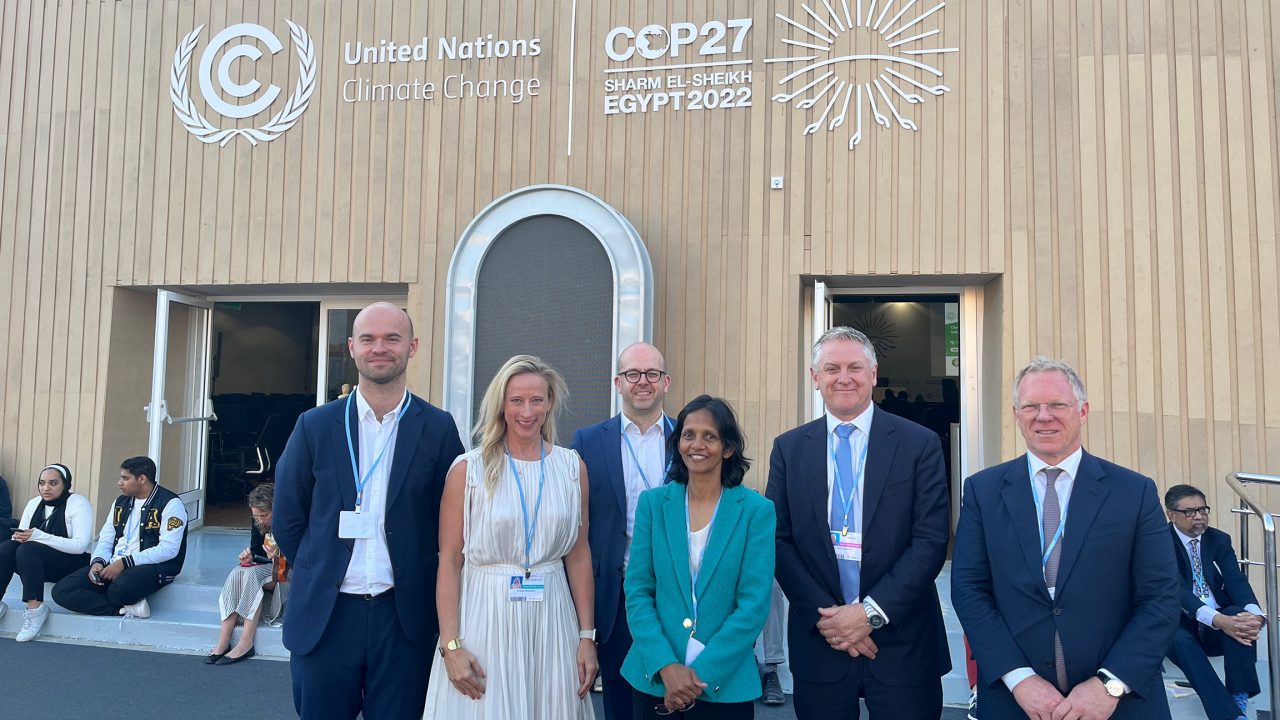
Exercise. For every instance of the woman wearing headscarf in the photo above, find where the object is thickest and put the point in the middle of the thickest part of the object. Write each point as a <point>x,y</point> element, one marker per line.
<point>52,540</point>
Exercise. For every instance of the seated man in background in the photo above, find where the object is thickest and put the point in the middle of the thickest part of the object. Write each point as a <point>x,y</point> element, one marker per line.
<point>140,549</point>
<point>1220,613</point>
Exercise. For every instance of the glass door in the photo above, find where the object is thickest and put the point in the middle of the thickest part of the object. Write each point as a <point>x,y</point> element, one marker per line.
<point>180,410</point>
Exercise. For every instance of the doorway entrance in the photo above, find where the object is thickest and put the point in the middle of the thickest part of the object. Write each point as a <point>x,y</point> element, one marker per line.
<point>262,378</point>
<point>230,376</point>
<point>929,346</point>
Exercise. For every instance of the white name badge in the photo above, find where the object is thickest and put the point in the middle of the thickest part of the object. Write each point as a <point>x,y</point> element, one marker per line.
<point>525,589</point>
<point>692,652</point>
<point>848,546</point>
<point>355,526</point>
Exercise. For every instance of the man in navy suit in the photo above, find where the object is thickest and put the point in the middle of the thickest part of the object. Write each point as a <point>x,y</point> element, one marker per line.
<point>863,524</point>
<point>1061,573</point>
<point>1220,613</point>
<point>625,455</point>
<point>357,508</point>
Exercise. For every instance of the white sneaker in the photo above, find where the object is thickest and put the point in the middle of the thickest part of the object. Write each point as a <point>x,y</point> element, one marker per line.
<point>32,623</point>
<point>140,610</point>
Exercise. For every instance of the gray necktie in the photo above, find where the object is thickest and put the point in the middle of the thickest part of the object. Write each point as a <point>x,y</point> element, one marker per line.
<point>1052,518</point>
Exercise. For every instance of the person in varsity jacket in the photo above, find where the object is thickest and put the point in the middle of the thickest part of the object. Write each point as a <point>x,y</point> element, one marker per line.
<point>140,549</point>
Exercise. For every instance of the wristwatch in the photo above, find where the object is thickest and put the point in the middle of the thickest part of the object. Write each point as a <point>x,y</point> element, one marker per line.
<point>1112,684</point>
<point>587,634</point>
<point>874,618</point>
<point>454,644</point>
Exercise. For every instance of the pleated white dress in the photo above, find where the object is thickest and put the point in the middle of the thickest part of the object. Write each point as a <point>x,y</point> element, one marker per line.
<point>528,649</point>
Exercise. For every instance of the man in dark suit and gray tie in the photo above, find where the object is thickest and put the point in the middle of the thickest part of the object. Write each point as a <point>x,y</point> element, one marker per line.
<point>1061,573</point>
<point>863,524</point>
<point>1220,613</point>
<point>625,455</point>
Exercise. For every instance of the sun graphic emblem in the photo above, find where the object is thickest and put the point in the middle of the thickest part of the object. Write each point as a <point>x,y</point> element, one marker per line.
<point>862,56</point>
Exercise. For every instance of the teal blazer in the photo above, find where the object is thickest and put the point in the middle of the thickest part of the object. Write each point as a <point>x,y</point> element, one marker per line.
<point>733,592</point>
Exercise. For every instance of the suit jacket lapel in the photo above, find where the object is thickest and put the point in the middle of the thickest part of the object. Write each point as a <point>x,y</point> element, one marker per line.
<point>1087,497</point>
<point>813,483</point>
<point>1021,508</point>
<point>677,540</point>
<point>407,434</point>
<point>880,454</point>
<point>617,480</point>
<point>346,479</point>
<point>726,520</point>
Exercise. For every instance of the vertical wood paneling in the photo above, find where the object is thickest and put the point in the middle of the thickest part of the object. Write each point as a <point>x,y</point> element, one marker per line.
<point>1114,163</point>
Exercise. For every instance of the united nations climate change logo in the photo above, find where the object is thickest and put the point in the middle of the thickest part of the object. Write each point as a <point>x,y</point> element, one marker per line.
<point>213,85</point>
<point>860,56</point>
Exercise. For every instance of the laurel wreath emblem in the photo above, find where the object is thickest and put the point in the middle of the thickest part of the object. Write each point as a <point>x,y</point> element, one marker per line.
<point>206,131</point>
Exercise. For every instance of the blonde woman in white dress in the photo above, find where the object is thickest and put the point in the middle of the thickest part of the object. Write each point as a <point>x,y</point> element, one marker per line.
<point>514,592</point>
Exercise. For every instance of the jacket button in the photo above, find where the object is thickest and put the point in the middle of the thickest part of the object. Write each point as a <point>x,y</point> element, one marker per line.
<point>717,689</point>
<point>1057,611</point>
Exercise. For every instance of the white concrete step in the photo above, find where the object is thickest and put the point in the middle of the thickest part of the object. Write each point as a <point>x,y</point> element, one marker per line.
<point>184,615</point>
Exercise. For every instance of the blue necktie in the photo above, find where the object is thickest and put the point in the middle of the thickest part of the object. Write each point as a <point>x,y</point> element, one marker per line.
<point>850,570</point>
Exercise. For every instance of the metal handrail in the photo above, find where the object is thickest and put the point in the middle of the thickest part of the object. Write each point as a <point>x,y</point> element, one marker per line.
<point>1237,483</point>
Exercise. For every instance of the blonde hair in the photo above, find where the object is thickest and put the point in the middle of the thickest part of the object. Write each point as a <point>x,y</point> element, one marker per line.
<point>491,427</point>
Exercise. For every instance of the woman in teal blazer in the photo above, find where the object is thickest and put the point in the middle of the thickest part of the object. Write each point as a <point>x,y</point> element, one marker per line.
<point>710,540</point>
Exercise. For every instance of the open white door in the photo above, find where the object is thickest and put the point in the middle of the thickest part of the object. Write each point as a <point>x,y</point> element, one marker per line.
<point>180,409</point>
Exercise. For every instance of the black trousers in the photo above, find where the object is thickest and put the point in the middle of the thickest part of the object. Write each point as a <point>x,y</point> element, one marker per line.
<point>617,692</point>
<point>839,700</point>
<point>36,564</point>
<point>1191,651</point>
<point>77,593</point>
<point>364,663</point>
<point>645,709</point>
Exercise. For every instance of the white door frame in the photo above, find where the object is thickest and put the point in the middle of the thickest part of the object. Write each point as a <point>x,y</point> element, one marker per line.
<point>971,332</point>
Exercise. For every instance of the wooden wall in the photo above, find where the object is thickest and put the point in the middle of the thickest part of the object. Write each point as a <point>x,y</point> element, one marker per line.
<point>1114,162</point>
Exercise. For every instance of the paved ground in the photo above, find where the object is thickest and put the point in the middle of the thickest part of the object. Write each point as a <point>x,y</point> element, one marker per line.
<point>53,681</point>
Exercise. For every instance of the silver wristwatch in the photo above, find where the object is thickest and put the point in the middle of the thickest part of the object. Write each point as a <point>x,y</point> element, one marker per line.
<point>874,618</point>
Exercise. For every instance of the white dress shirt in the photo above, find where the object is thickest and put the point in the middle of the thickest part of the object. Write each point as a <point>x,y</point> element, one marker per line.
<point>857,442</point>
<point>651,452</point>
<point>1062,487</point>
<point>369,572</point>
<point>1209,610</point>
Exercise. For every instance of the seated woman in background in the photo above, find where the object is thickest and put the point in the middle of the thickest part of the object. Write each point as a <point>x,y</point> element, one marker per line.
<point>52,540</point>
<point>252,593</point>
<point>711,541</point>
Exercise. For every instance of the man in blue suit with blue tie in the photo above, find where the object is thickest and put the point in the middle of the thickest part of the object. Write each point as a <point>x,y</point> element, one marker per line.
<point>357,509</point>
<point>1220,613</point>
<point>863,525</point>
<point>1061,573</point>
<point>625,455</point>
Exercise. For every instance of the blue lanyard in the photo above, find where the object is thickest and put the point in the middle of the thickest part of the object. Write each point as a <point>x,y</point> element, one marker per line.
<point>847,502</point>
<point>530,527</point>
<point>693,574</point>
<point>351,450</point>
<point>666,423</point>
<point>1062,520</point>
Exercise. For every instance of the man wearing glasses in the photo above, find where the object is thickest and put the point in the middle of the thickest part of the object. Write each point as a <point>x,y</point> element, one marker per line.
<point>625,455</point>
<point>1061,574</point>
<point>1220,613</point>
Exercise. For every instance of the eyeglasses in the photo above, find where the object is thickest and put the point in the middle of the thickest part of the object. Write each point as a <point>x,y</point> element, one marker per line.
<point>1192,512</point>
<point>633,376</point>
<point>1056,409</point>
<point>662,709</point>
